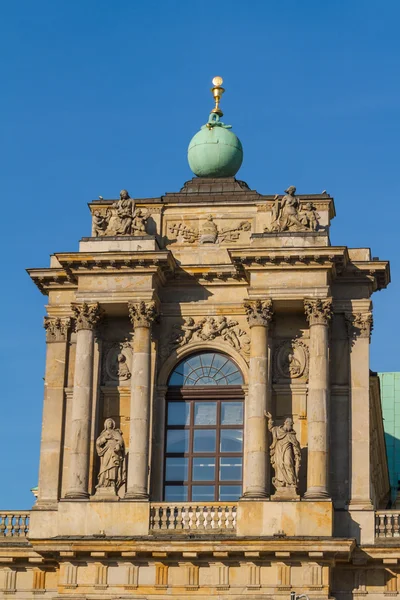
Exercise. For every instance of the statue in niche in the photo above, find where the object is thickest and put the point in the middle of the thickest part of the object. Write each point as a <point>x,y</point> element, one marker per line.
<point>285,456</point>
<point>208,232</point>
<point>292,366</point>
<point>123,371</point>
<point>110,448</point>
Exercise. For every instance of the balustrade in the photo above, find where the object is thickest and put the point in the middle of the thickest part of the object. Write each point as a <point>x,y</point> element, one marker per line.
<point>387,523</point>
<point>14,524</point>
<point>192,516</point>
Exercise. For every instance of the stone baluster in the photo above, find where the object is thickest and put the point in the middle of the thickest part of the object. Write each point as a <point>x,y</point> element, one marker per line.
<point>359,330</point>
<point>57,329</point>
<point>318,312</point>
<point>256,463</point>
<point>87,316</point>
<point>142,315</point>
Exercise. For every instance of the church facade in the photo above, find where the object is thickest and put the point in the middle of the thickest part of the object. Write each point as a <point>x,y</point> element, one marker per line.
<point>211,425</point>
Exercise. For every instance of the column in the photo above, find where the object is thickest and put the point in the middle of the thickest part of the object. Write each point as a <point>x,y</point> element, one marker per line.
<point>142,316</point>
<point>256,475</point>
<point>87,317</point>
<point>57,329</point>
<point>318,313</point>
<point>359,329</point>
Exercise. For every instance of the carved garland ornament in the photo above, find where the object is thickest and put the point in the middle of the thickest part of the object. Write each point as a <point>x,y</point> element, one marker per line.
<point>57,328</point>
<point>209,232</point>
<point>87,316</point>
<point>142,314</point>
<point>259,312</point>
<point>318,312</point>
<point>206,330</point>
<point>291,360</point>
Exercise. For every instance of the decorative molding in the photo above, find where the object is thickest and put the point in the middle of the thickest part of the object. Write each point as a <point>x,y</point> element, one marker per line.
<point>259,312</point>
<point>359,325</point>
<point>318,311</point>
<point>87,316</point>
<point>291,361</point>
<point>142,314</point>
<point>208,233</point>
<point>208,329</point>
<point>57,328</point>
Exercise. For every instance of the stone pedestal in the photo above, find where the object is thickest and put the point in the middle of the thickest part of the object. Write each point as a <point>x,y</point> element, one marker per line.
<point>57,329</point>
<point>285,493</point>
<point>318,313</point>
<point>86,316</point>
<point>142,315</point>
<point>259,315</point>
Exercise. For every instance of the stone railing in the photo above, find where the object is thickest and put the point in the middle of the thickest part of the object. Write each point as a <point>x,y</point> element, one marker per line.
<point>387,523</point>
<point>14,524</point>
<point>217,517</point>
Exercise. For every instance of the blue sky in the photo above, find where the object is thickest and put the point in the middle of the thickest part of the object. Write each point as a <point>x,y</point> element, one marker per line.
<point>98,95</point>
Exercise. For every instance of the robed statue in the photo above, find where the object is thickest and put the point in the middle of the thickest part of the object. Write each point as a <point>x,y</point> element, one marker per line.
<point>285,456</point>
<point>110,447</point>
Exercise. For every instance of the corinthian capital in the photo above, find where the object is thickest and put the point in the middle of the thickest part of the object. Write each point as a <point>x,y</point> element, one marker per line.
<point>259,312</point>
<point>142,314</point>
<point>86,315</point>
<point>56,328</point>
<point>318,312</point>
<point>359,325</point>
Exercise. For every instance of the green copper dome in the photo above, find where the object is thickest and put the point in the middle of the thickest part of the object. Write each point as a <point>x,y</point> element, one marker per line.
<point>215,151</point>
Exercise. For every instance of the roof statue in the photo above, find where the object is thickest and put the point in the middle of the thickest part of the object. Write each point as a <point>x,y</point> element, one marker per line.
<point>215,151</point>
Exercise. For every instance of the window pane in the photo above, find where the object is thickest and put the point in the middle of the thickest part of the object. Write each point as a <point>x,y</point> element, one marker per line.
<point>207,368</point>
<point>176,493</point>
<point>177,440</point>
<point>203,469</point>
<point>231,413</point>
<point>204,440</point>
<point>205,413</point>
<point>176,379</point>
<point>176,469</point>
<point>178,413</point>
<point>231,440</point>
<point>229,493</point>
<point>203,493</point>
<point>230,468</point>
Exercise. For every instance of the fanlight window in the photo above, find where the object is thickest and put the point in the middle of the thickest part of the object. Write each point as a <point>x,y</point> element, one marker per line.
<point>208,368</point>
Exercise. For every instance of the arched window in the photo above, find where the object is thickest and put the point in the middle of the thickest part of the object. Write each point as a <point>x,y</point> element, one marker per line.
<point>204,430</point>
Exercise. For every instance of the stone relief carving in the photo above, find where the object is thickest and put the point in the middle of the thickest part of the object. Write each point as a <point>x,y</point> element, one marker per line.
<point>123,218</point>
<point>87,316</point>
<point>259,312</point>
<point>208,233</point>
<point>142,314</point>
<point>57,328</point>
<point>291,360</point>
<point>285,454</point>
<point>206,330</point>
<point>110,448</point>
<point>318,311</point>
<point>117,358</point>
<point>288,214</point>
<point>359,325</point>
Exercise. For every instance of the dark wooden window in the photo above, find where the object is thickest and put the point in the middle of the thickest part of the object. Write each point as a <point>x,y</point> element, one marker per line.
<point>204,431</point>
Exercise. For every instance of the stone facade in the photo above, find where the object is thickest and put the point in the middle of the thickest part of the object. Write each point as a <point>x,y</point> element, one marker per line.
<point>216,267</point>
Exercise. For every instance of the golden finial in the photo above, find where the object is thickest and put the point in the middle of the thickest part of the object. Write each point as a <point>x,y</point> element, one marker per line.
<point>217,92</point>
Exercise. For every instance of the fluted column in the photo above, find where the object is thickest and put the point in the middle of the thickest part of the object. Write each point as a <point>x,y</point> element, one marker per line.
<point>359,327</point>
<point>87,317</point>
<point>57,329</point>
<point>318,313</point>
<point>256,475</point>
<point>142,316</point>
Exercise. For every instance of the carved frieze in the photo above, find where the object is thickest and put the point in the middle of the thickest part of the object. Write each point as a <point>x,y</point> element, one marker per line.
<point>288,214</point>
<point>208,232</point>
<point>142,314</point>
<point>359,325</point>
<point>87,316</point>
<point>208,329</point>
<point>259,312</point>
<point>116,363</point>
<point>122,218</point>
<point>291,361</point>
<point>318,311</point>
<point>57,328</point>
